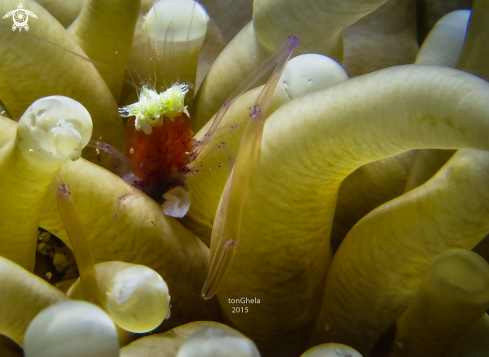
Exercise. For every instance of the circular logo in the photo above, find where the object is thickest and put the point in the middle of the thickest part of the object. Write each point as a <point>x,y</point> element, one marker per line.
<point>20,17</point>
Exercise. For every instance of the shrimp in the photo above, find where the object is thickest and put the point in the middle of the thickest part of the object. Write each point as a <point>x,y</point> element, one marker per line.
<point>158,134</point>
<point>159,148</point>
<point>158,138</point>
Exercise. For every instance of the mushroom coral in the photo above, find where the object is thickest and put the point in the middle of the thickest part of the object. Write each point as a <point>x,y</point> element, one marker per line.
<point>310,145</point>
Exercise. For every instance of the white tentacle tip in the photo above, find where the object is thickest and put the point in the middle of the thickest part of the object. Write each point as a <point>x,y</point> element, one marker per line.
<point>187,20</point>
<point>139,300</point>
<point>218,341</point>
<point>309,73</point>
<point>71,328</point>
<point>55,128</point>
<point>331,350</point>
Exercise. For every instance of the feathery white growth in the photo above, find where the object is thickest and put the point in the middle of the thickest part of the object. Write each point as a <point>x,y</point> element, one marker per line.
<point>152,107</point>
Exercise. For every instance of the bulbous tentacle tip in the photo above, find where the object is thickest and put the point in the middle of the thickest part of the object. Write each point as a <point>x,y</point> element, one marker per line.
<point>331,350</point>
<point>217,341</point>
<point>86,326</point>
<point>55,128</point>
<point>176,15</point>
<point>138,299</point>
<point>309,73</point>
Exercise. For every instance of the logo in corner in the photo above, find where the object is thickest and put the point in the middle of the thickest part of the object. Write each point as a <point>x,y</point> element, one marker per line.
<point>20,17</point>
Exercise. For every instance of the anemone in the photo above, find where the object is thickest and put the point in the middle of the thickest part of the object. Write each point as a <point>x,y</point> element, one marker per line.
<point>350,216</point>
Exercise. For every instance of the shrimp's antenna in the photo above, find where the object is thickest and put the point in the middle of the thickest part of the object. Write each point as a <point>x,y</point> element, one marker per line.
<point>169,56</point>
<point>228,223</point>
<point>180,26</point>
<point>132,82</point>
<point>190,25</point>
<point>84,58</point>
<point>153,43</point>
<point>157,59</point>
<point>170,52</point>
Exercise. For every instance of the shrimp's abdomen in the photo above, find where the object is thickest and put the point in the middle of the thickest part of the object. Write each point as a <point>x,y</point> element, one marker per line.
<point>163,154</point>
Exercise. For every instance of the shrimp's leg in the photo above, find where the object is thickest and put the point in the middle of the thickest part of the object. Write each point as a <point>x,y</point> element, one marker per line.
<point>209,139</point>
<point>109,149</point>
<point>277,57</point>
<point>121,199</point>
<point>196,167</point>
<point>229,225</point>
